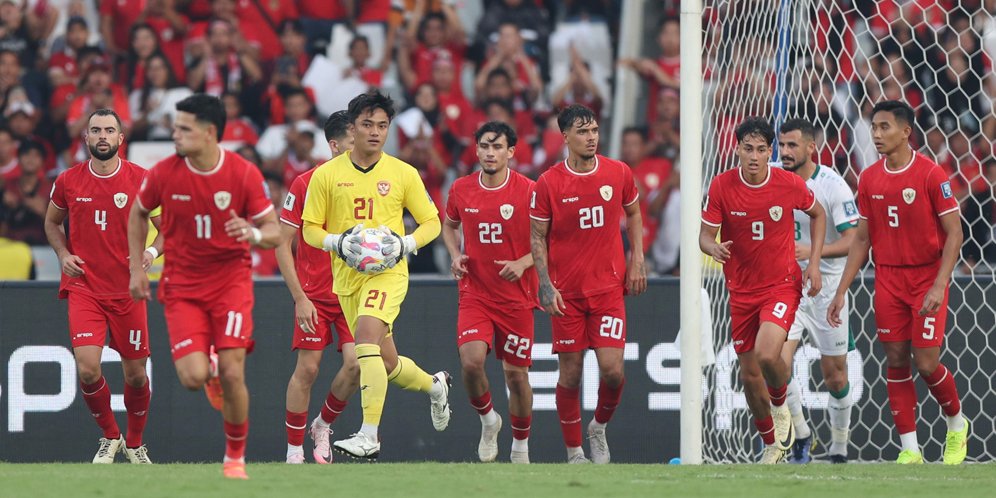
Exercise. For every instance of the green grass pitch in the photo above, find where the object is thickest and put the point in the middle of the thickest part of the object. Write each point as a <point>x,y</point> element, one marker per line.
<point>440,480</point>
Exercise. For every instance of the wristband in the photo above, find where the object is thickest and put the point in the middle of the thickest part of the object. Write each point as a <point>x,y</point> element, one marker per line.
<point>152,250</point>
<point>255,235</point>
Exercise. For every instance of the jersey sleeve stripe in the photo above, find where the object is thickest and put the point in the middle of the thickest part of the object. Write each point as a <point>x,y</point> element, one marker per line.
<point>451,219</point>
<point>942,213</point>
<point>847,224</point>
<point>811,205</point>
<point>264,212</point>
<point>138,200</point>
<point>537,218</point>
<point>863,217</point>
<point>711,223</point>
<point>630,203</point>
<point>57,206</point>
<point>285,220</point>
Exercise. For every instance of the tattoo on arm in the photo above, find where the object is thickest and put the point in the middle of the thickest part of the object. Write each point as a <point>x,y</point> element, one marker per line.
<point>538,231</point>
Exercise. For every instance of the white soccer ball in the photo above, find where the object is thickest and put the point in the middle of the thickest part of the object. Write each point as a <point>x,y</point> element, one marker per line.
<point>374,253</point>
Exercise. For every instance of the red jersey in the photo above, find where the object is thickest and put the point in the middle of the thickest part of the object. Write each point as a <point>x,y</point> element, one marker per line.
<point>903,209</point>
<point>759,221</point>
<point>123,14</point>
<point>585,252</point>
<point>263,18</point>
<point>98,226</point>
<point>203,259</point>
<point>495,228</point>
<point>313,266</point>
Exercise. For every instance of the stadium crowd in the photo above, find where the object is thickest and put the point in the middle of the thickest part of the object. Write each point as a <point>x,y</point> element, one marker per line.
<point>281,66</point>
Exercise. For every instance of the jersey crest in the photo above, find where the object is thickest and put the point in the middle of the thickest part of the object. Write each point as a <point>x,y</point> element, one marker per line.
<point>383,187</point>
<point>909,195</point>
<point>776,213</point>
<point>120,199</point>
<point>222,199</point>
<point>506,211</point>
<point>606,191</point>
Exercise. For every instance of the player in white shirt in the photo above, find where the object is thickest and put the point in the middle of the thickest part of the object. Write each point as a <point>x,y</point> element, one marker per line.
<point>796,147</point>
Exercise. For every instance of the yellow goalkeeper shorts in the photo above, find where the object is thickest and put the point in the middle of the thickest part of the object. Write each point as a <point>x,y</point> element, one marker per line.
<point>380,296</point>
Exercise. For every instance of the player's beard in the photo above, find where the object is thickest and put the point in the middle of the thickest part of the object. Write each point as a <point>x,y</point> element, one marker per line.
<point>794,167</point>
<point>103,156</point>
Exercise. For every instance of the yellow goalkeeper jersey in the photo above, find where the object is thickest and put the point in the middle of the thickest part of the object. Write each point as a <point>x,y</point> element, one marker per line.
<point>341,195</point>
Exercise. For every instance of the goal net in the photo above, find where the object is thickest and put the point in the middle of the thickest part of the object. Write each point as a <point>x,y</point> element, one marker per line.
<point>829,61</point>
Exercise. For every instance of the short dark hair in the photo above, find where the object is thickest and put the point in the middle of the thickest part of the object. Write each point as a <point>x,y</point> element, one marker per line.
<point>207,109</point>
<point>755,125</point>
<point>30,145</point>
<point>901,110</point>
<point>77,21</point>
<point>336,125</point>
<point>359,39</point>
<point>106,112</point>
<point>367,102</point>
<point>805,127</point>
<point>639,130</point>
<point>667,20</point>
<point>499,72</point>
<point>499,129</point>
<point>503,103</point>
<point>573,113</point>
<point>294,25</point>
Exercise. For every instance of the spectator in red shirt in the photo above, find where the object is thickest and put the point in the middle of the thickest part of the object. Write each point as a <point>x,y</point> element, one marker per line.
<point>97,91</point>
<point>430,36</point>
<point>663,72</point>
<point>263,18</point>
<point>22,118</point>
<point>144,44</point>
<point>62,67</point>
<point>509,54</point>
<point>25,200</point>
<point>498,85</point>
<point>10,170</point>
<point>294,44</point>
<point>229,66</point>
<point>665,132</point>
<point>359,53</point>
<point>651,175</point>
<point>580,87</point>
<point>170,28</point>
<point>237,127</point>
<point>318,19</point>
<point>116,20</point>
<point>423,139</point>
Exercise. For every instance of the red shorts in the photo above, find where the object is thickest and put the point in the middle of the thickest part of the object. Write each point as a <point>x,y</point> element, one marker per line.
<point>591,322</point>
<point>89,319</point>
<point>225,321</point>
<point>329,314</point>
<point>481,321</point>
<point>899,293</point>
<point>749,310</point>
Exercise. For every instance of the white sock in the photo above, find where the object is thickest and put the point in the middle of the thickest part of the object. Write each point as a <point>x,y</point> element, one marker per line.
<point>909,441</point>
<point>240,460</point>
<point>574,451</point>
<point>956,422</point>
<point>370,430</point>
<point>490,418</point>
<point>840,422</point>
<point>521,445</point>
<point>793,399</point>
<point>320,422</point>
<point>294,450</point>
<point>594,424</point>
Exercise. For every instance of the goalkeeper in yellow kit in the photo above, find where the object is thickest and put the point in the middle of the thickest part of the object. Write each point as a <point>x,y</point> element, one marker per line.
<point>366,187</point>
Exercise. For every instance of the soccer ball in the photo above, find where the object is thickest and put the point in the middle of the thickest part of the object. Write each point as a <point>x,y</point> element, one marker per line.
<point>374,253</point>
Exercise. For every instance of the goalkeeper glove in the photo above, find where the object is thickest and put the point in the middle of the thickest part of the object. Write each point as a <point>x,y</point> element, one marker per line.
<point>345,245</point>
<point>398,247</point>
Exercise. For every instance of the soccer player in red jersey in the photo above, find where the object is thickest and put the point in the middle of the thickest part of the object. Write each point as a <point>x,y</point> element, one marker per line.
<point>583,273</point>
<point>214,206</point>
<point>753,204</point>
<point>909,218</point>
<point>96,196</point>
<point>497,284</point>
<point>308,275</point>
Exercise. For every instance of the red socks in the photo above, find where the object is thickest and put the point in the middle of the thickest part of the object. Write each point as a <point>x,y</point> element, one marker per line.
<point>332,408</point>
<point>136,400</point>
<point>98,399</point>
<point>778,394</point>
<point>520,427</point>
<point>608,400</point>
<point>902,398</point>
<point>766,427</point>
<point>235,440</point>
<point>942,385</point>
<point>482,403</point>
<point>296,424</point>
<point>569,410</point>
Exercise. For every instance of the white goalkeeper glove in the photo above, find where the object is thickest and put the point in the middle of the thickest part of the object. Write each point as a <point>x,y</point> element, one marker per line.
<point>345,245</point>
<point>397,247</point>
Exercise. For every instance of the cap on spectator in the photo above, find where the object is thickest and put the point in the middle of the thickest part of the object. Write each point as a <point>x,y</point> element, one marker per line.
<point>22,106</point>
<point>77,20</point>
